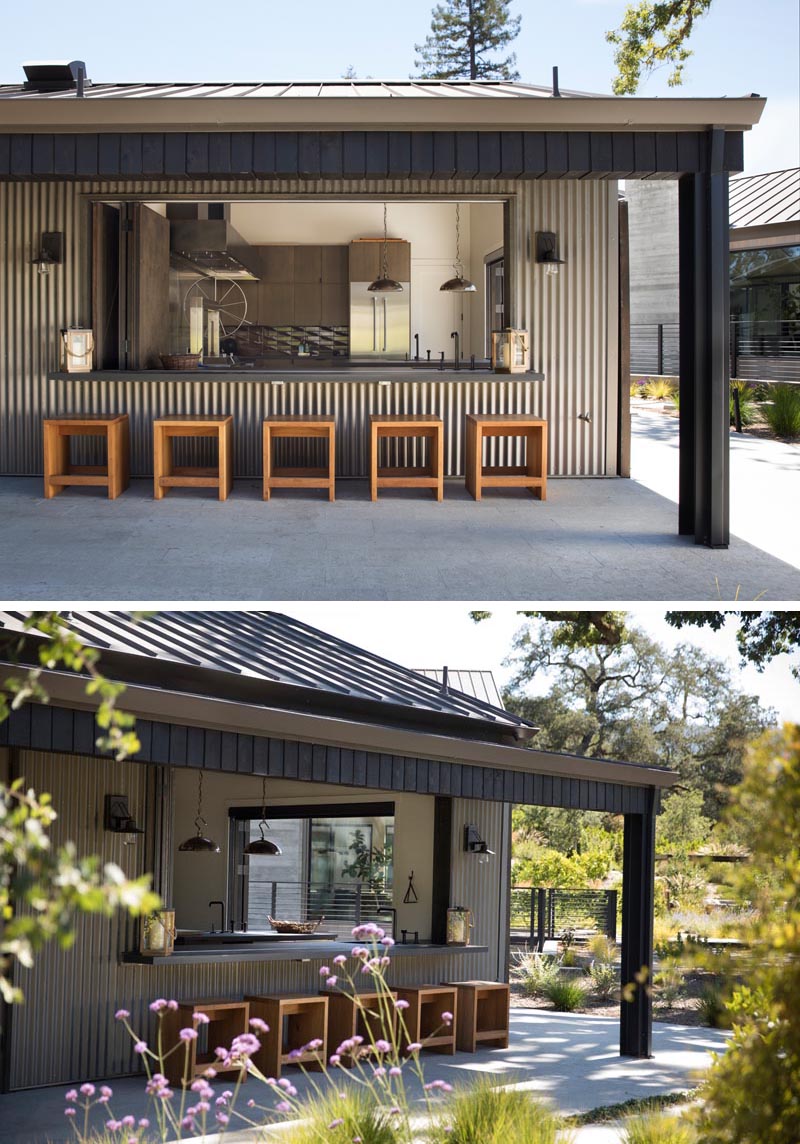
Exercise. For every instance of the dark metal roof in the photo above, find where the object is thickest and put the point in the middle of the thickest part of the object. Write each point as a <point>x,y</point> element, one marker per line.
<point>480,684</point>
<point>327,89</point>
<point>756,200</point>
<point>278,649</point>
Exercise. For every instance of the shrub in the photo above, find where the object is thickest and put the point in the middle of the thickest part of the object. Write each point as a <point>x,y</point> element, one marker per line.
<point>340,1121</point>
<point>604,979</point>
<point>485,1115</point>
<point>659,388</point>
<point>535,972</point>
<point>668,982</point>
<point>713,1005</point>
<point>567,996</point>
<point>782,411</point>
<point>657,1128</point>
<point>603,948</point>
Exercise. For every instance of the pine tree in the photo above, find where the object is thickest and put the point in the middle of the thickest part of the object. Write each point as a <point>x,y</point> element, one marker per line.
<point>463,34</point>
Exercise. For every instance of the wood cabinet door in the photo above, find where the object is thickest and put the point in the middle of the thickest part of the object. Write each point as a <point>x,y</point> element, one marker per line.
<point>278,263</point>
<point>365,261</point>
<point>334,265</point>
<point>148,279</point>
<point>398,260</point>
<point>307,304</point>
<point>275,304</point>
<point>335,304</point>
<point>307,264</point>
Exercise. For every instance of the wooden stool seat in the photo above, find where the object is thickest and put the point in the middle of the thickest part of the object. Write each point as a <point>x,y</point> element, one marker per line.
<point>483,1014</point>
<point>167,475</point>
<point>532,475</point>
<point>430,476</point>
<point>227,1019</point>
<point>60,472</point>
<point>423,1017</point>
<point>296,476</point>
<point>294,1020</point>
<point>367,1014</point>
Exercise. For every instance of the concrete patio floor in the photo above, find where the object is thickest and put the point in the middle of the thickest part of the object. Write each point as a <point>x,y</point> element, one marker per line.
<point>591,540</point>
<point>571,1060</point>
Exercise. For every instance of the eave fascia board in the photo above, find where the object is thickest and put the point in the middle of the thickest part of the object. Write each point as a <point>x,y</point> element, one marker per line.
<point>405,113</point>
<point>224,715</point>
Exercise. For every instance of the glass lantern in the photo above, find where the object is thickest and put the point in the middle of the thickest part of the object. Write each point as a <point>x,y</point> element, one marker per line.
<point>78,350</point>
<point>158,934</point>
<point>459,924</point>
<point>510,351</point>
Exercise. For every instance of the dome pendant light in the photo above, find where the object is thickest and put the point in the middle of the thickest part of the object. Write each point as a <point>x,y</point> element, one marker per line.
<point>385,284</point>
<point>263,845</point>
<point>459,284</point>
<point>198,842</point>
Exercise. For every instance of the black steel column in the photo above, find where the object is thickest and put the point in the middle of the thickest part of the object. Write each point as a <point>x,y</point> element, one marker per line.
<point>442,850</point>
<point>704,250</point>
<point>638,869</point>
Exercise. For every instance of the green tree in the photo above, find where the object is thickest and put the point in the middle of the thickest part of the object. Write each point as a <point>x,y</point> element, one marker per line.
<point>682,826</point>
<point>761,636</point>
<point>653,33</point>
<point>44,888</point>
<point>464,35</point>
<point>752,1093</point>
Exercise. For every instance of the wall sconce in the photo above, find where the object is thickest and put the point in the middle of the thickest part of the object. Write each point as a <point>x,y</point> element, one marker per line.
<point>474,844</point>
<point>117,816</point>
<point>51,251</point>
<point>547,251</point>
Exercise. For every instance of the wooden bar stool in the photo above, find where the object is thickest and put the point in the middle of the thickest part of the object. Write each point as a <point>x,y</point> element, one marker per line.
<point>483,1012</point>
<point>293,1022</point>
<point>227,1019</point>
<point>60,472</point>
<point>367,1014</point>
<point>423,1017</point>
<point>532,475</point>
<point>430,476</point>
<point>166,475</point>
<point>296,476</point>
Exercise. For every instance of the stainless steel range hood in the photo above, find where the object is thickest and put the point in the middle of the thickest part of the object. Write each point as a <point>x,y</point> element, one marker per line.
<point>214,248</point>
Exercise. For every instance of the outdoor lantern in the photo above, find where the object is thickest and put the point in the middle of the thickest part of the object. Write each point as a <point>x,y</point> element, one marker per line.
<point>547,251</point>
<point>459,924</point>
<point>474,844</point>
<point>78,350</point>
<point>117,815</point>
<point>263,845</point>
<point>198,842</point>
<point>459,284</point>
<point>157,936</point>
<point>51,251</point>
<point>510,352</point>
<point>385,284</point>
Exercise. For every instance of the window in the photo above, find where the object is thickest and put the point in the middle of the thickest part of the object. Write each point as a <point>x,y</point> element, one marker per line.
<point>495,299</point>
<point>336,864</point>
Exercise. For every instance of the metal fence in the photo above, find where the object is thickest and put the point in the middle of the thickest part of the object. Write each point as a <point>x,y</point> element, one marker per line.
<point>539,914</point>
<point>341,905</point>
<point>760,351</point>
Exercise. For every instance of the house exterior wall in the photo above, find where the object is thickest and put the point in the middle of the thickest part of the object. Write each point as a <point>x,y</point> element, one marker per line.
<point>572,322</point>
<point>66,1033</point>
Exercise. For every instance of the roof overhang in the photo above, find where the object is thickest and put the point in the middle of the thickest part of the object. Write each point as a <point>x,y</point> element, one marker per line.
<point>409,113</point>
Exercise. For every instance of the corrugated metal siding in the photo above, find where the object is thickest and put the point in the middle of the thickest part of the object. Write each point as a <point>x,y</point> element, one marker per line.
<point>482,886</point>
<point>568,317</point>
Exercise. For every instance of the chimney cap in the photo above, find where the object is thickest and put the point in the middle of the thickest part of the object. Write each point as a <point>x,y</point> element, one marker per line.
<point>53,75</point>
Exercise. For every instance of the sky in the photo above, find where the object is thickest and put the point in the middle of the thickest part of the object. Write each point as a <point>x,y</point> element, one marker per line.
<point>432,635</point>
<point>740,47</point>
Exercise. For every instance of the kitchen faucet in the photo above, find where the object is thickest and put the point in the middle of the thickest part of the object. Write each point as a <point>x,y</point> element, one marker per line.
<point>416,351</point>
<point>457,360</point>
<point>222,916</point>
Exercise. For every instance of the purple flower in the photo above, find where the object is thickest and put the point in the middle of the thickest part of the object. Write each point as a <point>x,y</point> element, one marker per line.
<point>87,1090</point>
<point>335,1123</point>
<point>188,1035</point>
<point>395,1071</point>
<point>245,1045</point>
<point>331,981</point>
<point>383,1046</point>
<point>447,1017</point>
<point>71,1095</point>
<point>128,1121</point>
<point>140,1047</point>
<point>106,1091</point>
<point>221,1101</point>
<point>69,1112</point>
<point>113,1125</point>
<point>381,1072</point>
<point>414,1047</point>
<point>340,959</point>
<point>324,970</point>
<point>438,1084</point>
<point>259,1025</point>
<point>401,1004</point>
<point>121,1014</point>
<point>144,1122</point>
<point>158,1006</point>
<point>335,1060</point>
<point>201,1018</point>
<point>387,941</point>
<point>223,1118</point>
<point>210,1072</point>
<point>283,1106</point>
<point>312,1046</point>
<point>284,1083</point>
<point>173,1005</point>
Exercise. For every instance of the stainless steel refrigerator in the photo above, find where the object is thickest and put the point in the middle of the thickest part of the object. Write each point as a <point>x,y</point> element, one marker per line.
<point>380,324</point>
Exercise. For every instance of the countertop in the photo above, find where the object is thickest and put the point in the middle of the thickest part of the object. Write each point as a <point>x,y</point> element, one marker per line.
<point>287,951</point>
<point>382,374</point>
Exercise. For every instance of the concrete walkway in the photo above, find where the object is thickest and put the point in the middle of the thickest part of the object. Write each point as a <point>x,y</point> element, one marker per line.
<point>571,1060</point>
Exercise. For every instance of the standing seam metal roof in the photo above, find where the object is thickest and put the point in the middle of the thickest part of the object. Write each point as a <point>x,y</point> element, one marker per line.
<point>274,647</point>
<point>757,200</point>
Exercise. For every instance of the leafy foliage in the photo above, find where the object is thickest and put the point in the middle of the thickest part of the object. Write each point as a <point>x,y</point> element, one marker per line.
<point>657,1128</point>
<point>567,995</point>
<point>603,976</point>
<point>653,33</point>
<point>535,971</point>
<point>463,35</point>
<point>669,982</point>
<point>782,411</point>
<point>482,1114</point>
<point>761,636</point>
<point>682,826</point>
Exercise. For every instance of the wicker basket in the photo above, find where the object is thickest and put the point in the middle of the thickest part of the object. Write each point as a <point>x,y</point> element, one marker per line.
<point>180,361</point>
<point>294,927</point>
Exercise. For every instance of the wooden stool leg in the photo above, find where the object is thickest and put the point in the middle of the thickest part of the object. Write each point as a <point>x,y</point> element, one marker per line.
<point>469,461</point>
<point>266,449</point>
<point>162,459</point>
<point>543,461</point>
<point>56,459</point>
<point>225,459</point>
<point>478,472</point>
<point>332,463</point>
<point>117,450</point>
<point>373,463</point>
<point>437,461</point>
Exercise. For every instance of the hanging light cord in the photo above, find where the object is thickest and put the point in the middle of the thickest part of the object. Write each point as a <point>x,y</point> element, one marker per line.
<point>200,820</point>
<point>385,245</point>
<point>458,266</point>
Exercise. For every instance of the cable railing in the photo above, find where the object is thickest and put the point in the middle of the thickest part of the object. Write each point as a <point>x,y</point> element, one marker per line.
<point>539,914</point>
<point>760,350</point>
<point>340,905</point>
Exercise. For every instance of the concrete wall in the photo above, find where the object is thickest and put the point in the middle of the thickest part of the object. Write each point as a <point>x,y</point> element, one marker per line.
<point>653,228</point>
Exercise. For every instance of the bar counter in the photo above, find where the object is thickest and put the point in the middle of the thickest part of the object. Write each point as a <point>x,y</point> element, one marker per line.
<point>299,951</point>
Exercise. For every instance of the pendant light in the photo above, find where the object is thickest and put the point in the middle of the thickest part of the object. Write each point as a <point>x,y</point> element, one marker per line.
<point>263,845</point>
<point>385,284</point>
<point>459,284</point>
<point>198,842</point>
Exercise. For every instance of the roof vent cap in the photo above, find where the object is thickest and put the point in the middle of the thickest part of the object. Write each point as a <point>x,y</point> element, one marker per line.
<point>55,75</point>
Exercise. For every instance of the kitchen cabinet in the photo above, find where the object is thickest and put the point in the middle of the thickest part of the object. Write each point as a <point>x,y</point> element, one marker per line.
<point>278,263</point>
<point>307,264</point>
<point>335,265</point>
<point>275,304</point>
<point>308,303</point>
<point>366,260</point>
<point>335,304</point>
